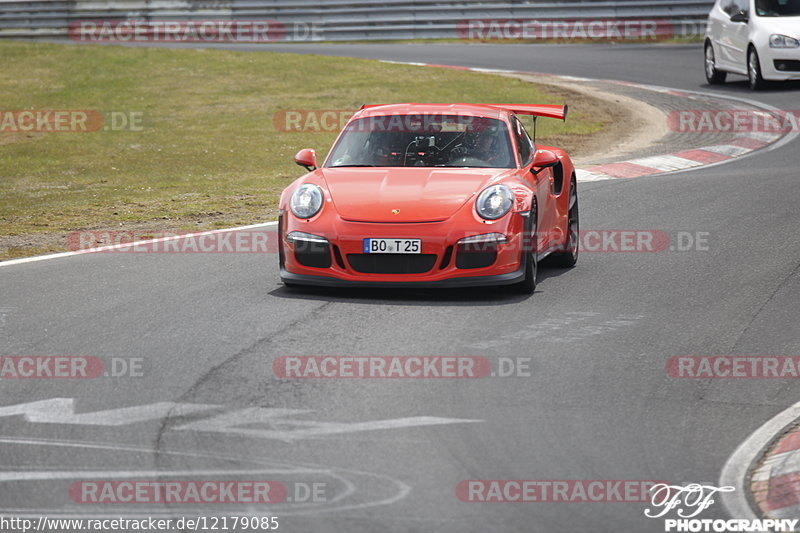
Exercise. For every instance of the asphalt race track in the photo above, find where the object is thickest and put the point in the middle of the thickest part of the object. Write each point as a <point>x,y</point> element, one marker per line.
<point>598,403</point>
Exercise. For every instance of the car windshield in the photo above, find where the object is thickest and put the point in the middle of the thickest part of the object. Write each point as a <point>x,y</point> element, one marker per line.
<point>424,140</point>
<point>778,8</point>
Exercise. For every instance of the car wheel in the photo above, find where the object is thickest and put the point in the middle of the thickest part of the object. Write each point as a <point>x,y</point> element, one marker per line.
<point>754,70</point>
<point>569,256</point>
<point>713,75</point>
<point>528,285</point>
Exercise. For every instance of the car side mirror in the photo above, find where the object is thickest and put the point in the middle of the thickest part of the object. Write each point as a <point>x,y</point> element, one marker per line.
<point>306,158</point>
<point>543,159</point>
<point>741,16</point>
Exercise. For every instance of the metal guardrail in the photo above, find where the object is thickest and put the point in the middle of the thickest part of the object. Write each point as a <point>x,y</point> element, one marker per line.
<point>337,20</point>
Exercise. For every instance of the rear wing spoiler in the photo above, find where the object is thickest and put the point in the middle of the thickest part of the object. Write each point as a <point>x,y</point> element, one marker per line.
<point>548,111</point>
<point>536,111</point>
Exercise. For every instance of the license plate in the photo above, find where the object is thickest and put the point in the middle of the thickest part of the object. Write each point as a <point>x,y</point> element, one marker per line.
<point>392,246</point>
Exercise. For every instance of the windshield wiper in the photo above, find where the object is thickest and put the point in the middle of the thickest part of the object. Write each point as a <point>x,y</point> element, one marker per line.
<point>342,166</point>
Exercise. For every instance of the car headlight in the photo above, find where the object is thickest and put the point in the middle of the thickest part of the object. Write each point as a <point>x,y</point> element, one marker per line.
<point>306,201</point>
<point>494,202</point>
<point>783,41</point>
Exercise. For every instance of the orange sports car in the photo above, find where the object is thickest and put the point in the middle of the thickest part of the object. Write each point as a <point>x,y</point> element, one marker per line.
<point>431,195</point>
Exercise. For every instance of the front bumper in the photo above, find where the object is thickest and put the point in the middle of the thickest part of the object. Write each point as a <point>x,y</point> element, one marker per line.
<point>772,58</point>
<point>445,265</point>
<point>468,281</point>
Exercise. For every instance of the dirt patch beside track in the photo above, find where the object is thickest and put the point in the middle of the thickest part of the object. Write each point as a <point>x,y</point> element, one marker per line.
<point>632,124</point>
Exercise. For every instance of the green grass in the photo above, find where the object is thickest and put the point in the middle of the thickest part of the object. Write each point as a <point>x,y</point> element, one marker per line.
<point>208,152</point>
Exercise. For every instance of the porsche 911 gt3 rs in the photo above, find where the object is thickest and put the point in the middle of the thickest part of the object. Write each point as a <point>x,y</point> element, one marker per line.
<point>431,195</point>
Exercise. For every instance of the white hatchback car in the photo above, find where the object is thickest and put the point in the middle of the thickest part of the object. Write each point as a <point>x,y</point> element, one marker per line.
<point>757,38</point>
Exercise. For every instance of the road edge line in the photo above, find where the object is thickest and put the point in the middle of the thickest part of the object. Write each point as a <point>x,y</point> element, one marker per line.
<point>112,247</point>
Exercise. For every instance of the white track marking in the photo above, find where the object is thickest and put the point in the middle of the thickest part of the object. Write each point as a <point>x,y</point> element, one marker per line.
<point>290,430</point>
<point>726,149</point>
<point>37,475</point>
<point>790,465</point>
<point>665,162</point>
<point>780,464</point>
<point>762,136</point>
<point>585,175</point>
<point>296,509</point>
<point>489,70</point>
<point>62,411</point>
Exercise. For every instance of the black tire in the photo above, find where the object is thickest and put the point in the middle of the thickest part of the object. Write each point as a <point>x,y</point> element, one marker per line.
<point>754,76</point>
<point>714,76</point>
<point>529,254</point>
<point>569,256</point>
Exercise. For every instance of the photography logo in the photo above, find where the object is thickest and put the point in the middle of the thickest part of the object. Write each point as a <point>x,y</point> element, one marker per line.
<point>688,502</point>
